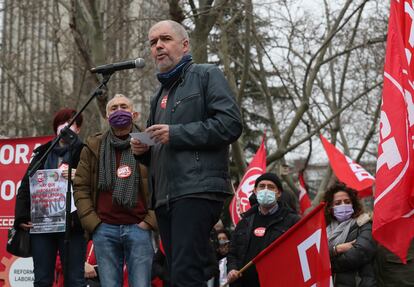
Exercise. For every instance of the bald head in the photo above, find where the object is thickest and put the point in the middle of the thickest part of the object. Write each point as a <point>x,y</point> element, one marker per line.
<point>169,43</point>
<point>176,27</point>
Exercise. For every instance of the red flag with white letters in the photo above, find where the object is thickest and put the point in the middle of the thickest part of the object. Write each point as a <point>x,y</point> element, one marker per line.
<point>393,225</point>
<point>348,171</point>
<point>240,202</point>
<point>304,200</point>
<point>15,156</point>
<point>300,257</point>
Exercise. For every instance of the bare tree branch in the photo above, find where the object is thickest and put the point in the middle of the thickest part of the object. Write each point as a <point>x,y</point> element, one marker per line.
<point>280,153</point>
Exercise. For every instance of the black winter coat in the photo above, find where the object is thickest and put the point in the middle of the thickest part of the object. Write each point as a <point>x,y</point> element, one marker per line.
<point>355,267</point>
<point>203,120</point>
<point>22,208</point>
<point>391,272</point>
<point>283,219</point>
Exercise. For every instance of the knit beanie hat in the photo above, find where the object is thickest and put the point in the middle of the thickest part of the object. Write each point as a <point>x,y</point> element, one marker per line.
<point>269,176</point>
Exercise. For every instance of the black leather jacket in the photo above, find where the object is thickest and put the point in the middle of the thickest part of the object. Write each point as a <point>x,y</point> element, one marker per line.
<point>203,121</point>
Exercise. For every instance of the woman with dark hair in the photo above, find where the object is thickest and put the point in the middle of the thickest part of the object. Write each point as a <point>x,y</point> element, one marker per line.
<point>45,246</point>
<point>351,247</point>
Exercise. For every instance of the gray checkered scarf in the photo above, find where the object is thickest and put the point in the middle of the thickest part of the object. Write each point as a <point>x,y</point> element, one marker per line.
<point>125,190</point>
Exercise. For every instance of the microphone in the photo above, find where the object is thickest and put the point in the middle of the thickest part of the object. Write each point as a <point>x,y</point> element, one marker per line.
<point>138,63</point>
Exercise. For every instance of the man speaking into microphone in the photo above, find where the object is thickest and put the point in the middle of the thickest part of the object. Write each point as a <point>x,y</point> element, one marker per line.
<point>193,120</point>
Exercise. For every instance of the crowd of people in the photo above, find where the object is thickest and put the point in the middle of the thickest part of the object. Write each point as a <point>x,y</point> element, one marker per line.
<point>149,213</point>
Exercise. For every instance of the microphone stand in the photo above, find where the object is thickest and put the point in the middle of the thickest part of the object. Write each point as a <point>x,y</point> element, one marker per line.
<point>69,136</point>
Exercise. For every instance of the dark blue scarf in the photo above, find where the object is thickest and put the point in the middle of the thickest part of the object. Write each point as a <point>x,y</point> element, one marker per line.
<point>61,152</point>
<point>168,78</point>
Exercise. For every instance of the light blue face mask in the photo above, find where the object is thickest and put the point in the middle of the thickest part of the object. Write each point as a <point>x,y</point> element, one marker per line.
<point>266,198</point>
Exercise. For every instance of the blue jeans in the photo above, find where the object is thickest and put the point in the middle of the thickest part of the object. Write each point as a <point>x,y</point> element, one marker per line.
<point>116,244</point>
<point>44,252</point>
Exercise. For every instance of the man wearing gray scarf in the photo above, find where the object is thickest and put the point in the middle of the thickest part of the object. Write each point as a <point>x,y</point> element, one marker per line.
<point>111,198</point>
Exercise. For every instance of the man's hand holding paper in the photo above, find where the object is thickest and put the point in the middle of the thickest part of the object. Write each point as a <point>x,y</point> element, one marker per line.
<point>140,143</point>
<point>159,133</point>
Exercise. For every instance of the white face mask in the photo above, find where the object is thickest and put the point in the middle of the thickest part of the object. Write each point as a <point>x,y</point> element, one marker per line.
<point>60,128</point>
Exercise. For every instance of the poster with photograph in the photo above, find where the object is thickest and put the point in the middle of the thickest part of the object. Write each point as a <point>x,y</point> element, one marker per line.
<point>48,201</point>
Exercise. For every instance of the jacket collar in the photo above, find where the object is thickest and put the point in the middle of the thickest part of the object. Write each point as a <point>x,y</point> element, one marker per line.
<point>94,143</point>
<point>270,211</point>
<point>159,92</point>
<point>363,218</point>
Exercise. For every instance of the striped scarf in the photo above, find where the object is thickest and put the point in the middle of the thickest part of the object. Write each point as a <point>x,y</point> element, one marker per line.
<point>125,189</point>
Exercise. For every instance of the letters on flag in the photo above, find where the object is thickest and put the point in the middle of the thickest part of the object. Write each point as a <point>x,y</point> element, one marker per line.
<point>15,155</point>
<point>304,200</point>
<point>300,257</point>
<point>348,171</point>
<point>240,202</point>
<point>393,225</point>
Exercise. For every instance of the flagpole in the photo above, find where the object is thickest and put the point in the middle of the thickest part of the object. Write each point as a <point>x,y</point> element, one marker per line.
<point>280,239</point>
<point>245,267</point>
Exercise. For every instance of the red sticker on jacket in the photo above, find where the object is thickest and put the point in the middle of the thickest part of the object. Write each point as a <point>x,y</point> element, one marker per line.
<point>163,104</point>
<point>123,171</point>
<point>259,232</point>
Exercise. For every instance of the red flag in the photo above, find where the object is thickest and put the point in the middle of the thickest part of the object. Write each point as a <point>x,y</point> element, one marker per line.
<point>300,256</point>
<point>393,225</point>
<point>240,202</point>
<point>348,171</point>
<point>304,200</point>
<point>15,156</point>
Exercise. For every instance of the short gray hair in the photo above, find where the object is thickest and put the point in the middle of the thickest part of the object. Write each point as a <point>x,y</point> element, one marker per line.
<point>130,102</point>
<point>176,27</point>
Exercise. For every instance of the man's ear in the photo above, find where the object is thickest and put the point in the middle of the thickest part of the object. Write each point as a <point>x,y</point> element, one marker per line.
<point>186,45</point>
<point>278,194</point>
<point>135,116</point>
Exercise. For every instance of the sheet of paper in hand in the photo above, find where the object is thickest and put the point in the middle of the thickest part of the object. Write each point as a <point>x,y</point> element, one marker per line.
<point>143,138</point>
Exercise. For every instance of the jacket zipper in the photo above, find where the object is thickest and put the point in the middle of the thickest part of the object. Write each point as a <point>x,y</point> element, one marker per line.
<point>180,101</point>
